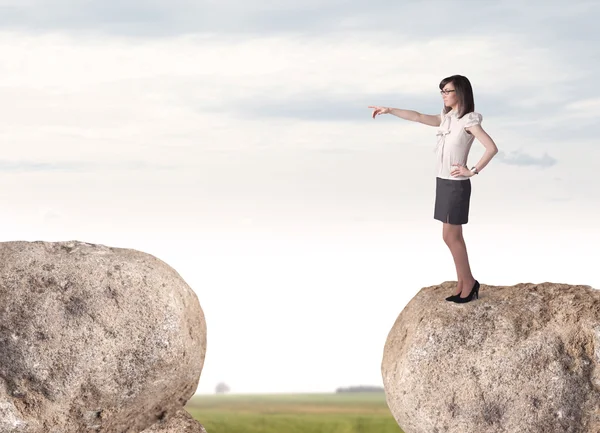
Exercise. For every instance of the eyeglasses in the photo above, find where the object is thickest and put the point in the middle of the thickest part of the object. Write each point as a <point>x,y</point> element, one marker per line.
<point>447,92</point>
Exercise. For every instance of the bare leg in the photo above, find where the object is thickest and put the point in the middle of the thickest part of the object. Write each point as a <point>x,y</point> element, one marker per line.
<point>453,237</point>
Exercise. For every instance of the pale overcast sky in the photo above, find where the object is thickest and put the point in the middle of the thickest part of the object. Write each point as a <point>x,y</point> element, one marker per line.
<point>232,140</point>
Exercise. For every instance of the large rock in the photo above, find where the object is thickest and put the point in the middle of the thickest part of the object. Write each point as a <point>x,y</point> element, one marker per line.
<point>94,339</point>
<point>181,422</point>
<point>524,358</point>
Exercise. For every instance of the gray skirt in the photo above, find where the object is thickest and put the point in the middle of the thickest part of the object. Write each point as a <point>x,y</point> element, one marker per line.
<point>452,200</point>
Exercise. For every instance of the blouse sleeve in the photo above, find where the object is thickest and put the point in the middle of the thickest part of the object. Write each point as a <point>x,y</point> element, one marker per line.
<point>473,119</point>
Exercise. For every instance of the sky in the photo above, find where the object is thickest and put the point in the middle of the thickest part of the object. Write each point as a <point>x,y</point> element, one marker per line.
<point>232,140</point>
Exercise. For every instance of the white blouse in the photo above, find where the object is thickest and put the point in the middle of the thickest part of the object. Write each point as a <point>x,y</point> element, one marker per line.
<point>454,143</point>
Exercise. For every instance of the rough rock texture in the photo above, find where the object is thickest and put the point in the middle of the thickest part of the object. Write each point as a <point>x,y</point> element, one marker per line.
<point>94,339</point>
<point>181,422</point>
<point>524,358</point>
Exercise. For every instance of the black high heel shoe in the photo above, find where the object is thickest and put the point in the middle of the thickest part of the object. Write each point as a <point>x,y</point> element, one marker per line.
<point>453,297</point>
<point>474,292</point>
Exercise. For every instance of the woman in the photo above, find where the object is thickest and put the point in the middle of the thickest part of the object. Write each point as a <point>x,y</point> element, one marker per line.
<point>459,125</point>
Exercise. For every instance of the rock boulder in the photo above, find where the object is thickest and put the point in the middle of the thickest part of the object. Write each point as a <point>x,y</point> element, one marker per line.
<point>523,358</point>
<point>94,338</point>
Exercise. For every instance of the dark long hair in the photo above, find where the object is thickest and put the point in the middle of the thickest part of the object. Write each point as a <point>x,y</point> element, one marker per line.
<point>464,93</point>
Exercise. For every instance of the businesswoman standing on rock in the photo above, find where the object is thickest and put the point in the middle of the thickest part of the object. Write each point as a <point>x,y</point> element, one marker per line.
<point>458,125</point>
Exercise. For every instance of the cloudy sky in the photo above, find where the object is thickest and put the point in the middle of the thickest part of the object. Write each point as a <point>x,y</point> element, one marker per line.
<point>232,139</point>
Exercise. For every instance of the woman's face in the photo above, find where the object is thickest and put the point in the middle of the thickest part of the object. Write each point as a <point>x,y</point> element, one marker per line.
<point>449,95</point>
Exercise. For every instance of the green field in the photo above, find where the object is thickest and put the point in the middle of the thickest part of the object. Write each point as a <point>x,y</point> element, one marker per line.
<point>294,413</point>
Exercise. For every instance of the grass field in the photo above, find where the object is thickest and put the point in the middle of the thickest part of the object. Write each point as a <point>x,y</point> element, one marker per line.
<point>294,413</point>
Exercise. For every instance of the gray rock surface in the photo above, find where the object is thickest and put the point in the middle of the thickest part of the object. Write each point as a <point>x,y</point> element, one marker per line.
<point>94,339</point>
<point>523,358</point>
<point>181,422</point>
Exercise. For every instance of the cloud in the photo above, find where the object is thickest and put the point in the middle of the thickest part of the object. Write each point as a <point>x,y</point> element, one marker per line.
<point>522,159</point>
<point>49,215</point>
<point>584,108</point>
<point>97,98</point>
<point>273,89</point>
<point>561,199</point>
<point>79,166</point>
<point>176,17</point>
<point>277,75</point>
<point>351,107</point>
<point>339,108</point>
<point>419,19</point>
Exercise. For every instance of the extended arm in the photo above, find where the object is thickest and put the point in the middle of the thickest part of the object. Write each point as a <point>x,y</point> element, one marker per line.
<point>415,116</point>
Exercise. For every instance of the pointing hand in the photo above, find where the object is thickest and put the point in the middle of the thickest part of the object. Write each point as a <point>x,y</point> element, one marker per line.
<point>379,110</point>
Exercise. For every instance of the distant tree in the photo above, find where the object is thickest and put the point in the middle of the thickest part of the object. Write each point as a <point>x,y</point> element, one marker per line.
<point>361,388</point>
<point>222,388</point>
